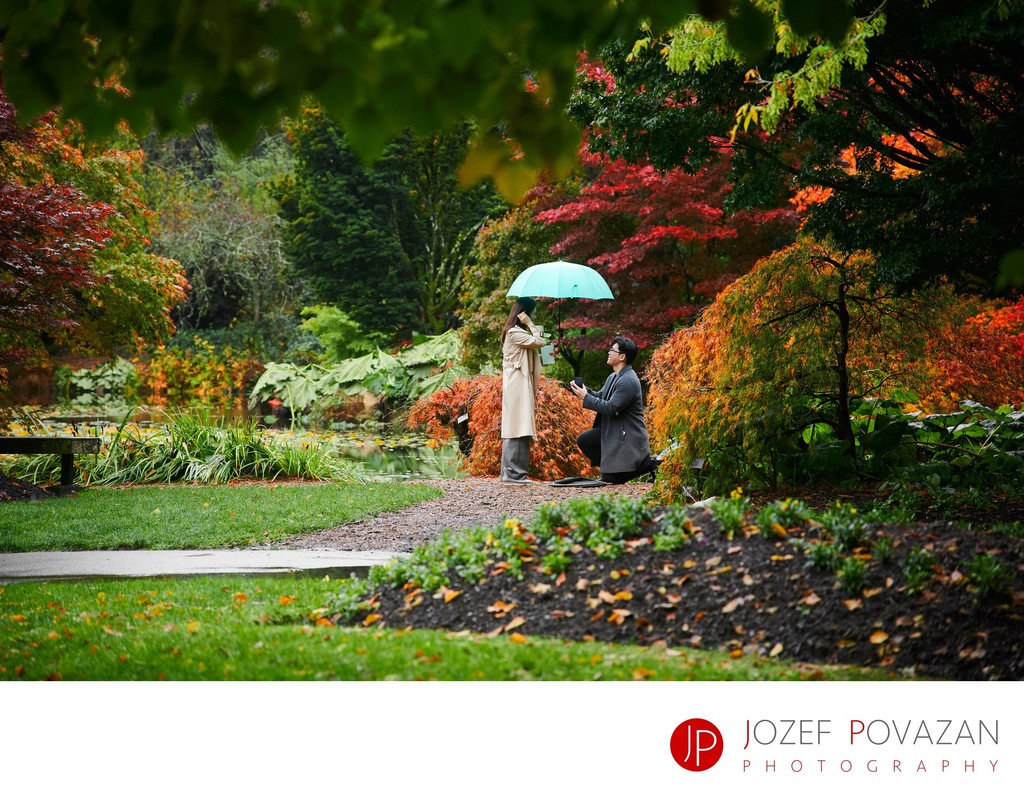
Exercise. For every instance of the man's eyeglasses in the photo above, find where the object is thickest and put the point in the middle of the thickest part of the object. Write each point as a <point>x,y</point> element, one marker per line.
<point>616,350</point>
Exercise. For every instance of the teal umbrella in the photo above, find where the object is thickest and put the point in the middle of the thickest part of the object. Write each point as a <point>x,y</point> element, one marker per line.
<point>560,280</point>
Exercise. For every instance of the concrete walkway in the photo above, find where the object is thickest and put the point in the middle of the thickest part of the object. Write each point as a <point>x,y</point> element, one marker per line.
<point>23,566</point>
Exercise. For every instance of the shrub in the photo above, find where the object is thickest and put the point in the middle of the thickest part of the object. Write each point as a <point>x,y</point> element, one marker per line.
<point>559,417</point>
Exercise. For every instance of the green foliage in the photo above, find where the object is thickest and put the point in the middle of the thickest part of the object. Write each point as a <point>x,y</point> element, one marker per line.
<point>379,69</point>
<point>825,557</point>
<point>773,520</point>
<point>340,335</point>
<point>882,549</point>
<point>852,575</point>
<point>217,217</point>
<point>194,449</point>
<point>883,113</point>
<point>918,568</point>
<point>389,243</point>
<point>109,384</point>
<point>988,574</point>
<point>674,530</point>
<point>845,525</point>
<point>417,371</point>
<point>731,513</point>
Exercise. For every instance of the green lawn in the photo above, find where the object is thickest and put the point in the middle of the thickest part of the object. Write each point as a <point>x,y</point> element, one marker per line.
<point>274,628</point>
<point>194,516</point>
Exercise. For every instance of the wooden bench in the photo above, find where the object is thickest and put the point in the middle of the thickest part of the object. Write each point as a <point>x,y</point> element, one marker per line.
<point>67,447</point>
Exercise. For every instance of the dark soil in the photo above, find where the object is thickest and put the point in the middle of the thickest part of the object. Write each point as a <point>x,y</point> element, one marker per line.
<point>14,490</point>
<point>754,596</point>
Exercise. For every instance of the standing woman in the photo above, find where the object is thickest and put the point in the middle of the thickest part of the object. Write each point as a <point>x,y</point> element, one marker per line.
<point>521,369</point>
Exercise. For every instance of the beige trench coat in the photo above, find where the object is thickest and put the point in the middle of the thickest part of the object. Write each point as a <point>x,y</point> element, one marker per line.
<point>521,371</point>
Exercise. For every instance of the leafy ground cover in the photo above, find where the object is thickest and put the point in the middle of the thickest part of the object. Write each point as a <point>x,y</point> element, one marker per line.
<point>275,628</point>
<point>194,516</point>
<point>922,600</point>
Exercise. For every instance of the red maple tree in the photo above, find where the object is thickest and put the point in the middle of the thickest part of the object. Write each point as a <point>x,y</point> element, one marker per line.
<point>662,241</point>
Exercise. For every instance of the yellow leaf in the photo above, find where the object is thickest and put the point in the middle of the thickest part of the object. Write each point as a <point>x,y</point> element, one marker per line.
<point>17,617</point>
<point>517,638</point>
<point>779,530</point>
<point>285,599</point>
<point>240,597</point>
<point>619,616</point>
<point>689,564</point>
<point>324,622</point>
<point>623,595</point>
<point>737,653</point>
<point>448,594</point>
<point>193,626</point>
<point>878,637</point>
<point>515,623</point>
<point>370,619</point>
<point>871,592</point>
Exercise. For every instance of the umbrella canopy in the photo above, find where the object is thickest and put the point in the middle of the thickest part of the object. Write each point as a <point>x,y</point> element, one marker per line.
<point>560,279</point>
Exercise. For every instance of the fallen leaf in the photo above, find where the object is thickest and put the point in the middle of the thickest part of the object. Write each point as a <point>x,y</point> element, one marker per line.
<point>623,595</point>
<point>515,623</point>
<point>286,599</point>
<point>852,605</point>
<point>619,616</point>
<point>782,557</point>
<point>370,619</point>
<point>776,649</point>
<point>560,579</point>
<point>193,626</point>
<point>811,599</point>
<point>872,592</point>
<point>540,588</point>
<point>324,622</point>
<point>779,530</point>
<point>500,608</point>
<point>732,605</point>
<point>517,638</point>
<point>733,549</point>
<point>878,637</point>
<point>606,597</point>
<point>714,561</point>
<point>448,594</point>
<point>737,653</point>
<point>748,580</point>
<point>689,564</point>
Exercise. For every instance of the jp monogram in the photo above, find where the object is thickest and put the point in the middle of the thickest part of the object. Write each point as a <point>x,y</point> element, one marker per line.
<point>696,744</point>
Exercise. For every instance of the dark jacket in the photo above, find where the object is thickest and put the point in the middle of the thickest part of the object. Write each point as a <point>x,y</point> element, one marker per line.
<point>620,404</point>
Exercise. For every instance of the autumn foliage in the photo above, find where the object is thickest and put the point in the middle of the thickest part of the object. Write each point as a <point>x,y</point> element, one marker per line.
<point>559,417</point>
<point>981,360</point>
<point>777,361</point>
<point>662,239</point>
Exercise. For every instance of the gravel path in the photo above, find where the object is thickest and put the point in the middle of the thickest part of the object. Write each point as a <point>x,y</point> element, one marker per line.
<point>466,502</point>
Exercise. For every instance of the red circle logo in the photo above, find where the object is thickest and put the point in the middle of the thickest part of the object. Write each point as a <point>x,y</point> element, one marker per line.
<point>696,744</point>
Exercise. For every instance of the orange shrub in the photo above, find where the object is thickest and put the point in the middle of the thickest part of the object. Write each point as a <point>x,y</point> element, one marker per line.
<point>980,360</point>
<point>203,376</point>
<point>559,417</point>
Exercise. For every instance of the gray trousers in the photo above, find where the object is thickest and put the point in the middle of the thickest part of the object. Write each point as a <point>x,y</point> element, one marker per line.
<point>515,458</point>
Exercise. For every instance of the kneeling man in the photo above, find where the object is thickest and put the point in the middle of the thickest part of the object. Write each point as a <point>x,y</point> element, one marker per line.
<point>618,443</point>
